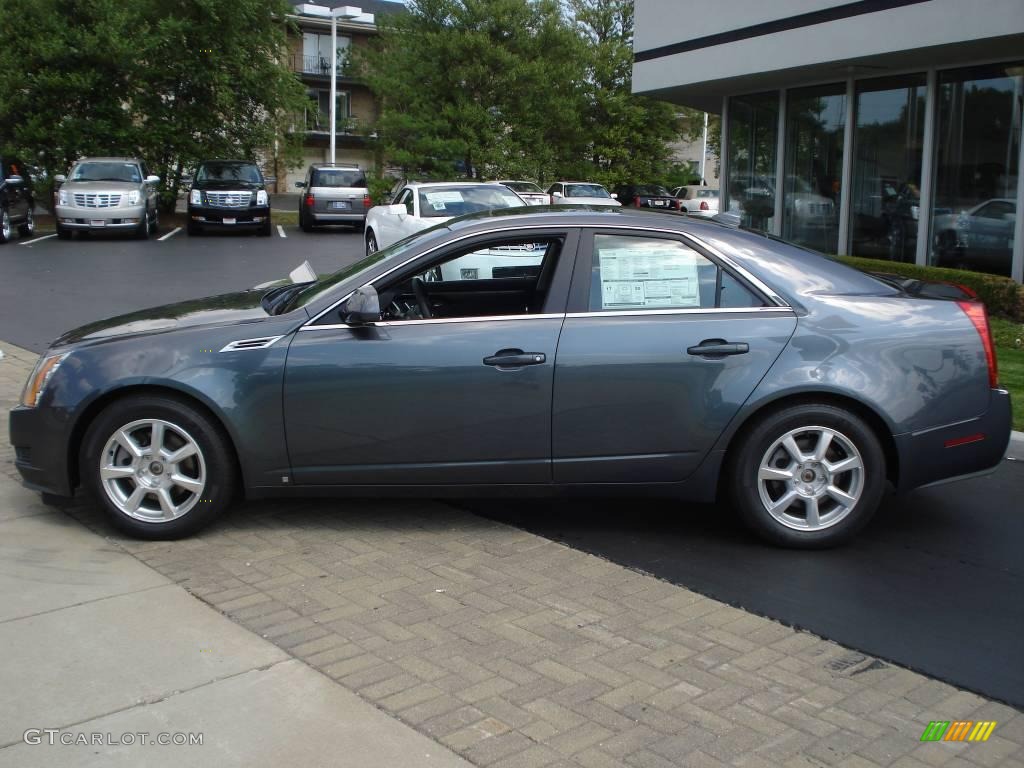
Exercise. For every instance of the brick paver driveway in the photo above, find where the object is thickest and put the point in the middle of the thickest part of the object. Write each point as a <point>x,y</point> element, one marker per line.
<point>517,651</point>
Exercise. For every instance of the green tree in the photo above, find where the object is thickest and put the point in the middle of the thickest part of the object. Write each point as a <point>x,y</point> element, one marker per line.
<point>170,82</point>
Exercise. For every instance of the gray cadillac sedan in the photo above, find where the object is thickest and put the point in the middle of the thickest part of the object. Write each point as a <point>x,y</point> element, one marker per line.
<point>529,353</point>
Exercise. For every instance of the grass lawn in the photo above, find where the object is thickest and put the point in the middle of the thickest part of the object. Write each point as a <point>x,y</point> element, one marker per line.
<point>1009,340</point>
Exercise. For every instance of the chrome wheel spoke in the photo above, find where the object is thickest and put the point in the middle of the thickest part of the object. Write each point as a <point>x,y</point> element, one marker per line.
<point>843,465</point>
<point>773,473</point>
<point>167,505</point>
<point>156,437</point>
<point>112,472</point>
<point>811,506</point>
<point>789,443</point>
<point>824,441</point>
<point>189,484</point>
<point>133,502</point>
<point>783,503</point>
<point>127,442</point>
<point>841,496</point>
<point>178,456</point>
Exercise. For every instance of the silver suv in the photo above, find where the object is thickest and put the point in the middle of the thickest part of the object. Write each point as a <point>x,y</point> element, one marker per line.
<point>107,193</point>
<point>335,193</point>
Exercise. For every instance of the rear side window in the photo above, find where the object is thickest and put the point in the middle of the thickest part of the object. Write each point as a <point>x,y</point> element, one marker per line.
<point>338,177</point>
<point>648,273</point>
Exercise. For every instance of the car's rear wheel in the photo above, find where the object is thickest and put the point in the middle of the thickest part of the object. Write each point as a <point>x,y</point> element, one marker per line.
<point>64,233</point>
<point>5,225</point>
<point>808,476</point>
<point>371,242</point>
<point>29,227</point>
<point>159,466</point>
<point>154,224</point>
<point>193,229</point>
<point>142,231</point>
<point>304,221</point>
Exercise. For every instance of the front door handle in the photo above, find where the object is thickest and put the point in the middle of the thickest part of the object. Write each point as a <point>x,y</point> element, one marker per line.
<point>718,348</point>
<point>515,358</point>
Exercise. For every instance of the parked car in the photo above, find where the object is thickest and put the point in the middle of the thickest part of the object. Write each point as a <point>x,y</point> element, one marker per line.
<point>107,194</point>
<point>697,201</point>
<point>334,194</point>
<point>646,196</point>
<point>530,192</point>
<point>419,205</point>
<point>229,194</point>
<point>581,193</point>
<point>979,238</point>
<point>16,200</point>
<point>646,355</point>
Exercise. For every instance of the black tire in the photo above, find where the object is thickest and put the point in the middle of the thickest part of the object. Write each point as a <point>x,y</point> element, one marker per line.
<point>64,233</point>
<point>6,230</point>
<point>193,229</point>
<point>756,442</point>
<point>142,231</point>
<point>371,242</point>
<point>304,222</point>
<point>154,223</point>
<point>221,474</point>
<point>29,227</point>
<point>267,229</point>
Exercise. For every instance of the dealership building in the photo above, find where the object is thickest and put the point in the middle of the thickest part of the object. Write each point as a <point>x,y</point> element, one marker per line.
<point>880,128</point>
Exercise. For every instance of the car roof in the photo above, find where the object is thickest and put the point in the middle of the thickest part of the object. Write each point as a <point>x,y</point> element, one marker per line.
<point>453,184</point>
<point>334,165</point>
<point>229,160</point>
<point>108,160</point>
<point>593,183</point>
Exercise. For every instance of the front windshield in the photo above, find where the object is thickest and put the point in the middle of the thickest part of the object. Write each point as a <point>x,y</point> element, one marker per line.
<point>523,186</point>
<point>107,171</point>
<point>585,190</point>
<point>652,190</point>
<point>446,202</point>
<point>229,172</point>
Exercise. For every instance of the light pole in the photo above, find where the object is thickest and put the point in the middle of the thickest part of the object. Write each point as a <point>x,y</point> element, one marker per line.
<point>347,12</point>
<point>704,151</point>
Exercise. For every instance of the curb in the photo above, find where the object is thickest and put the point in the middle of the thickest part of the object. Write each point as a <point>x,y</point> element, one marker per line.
<point>1016,448</point>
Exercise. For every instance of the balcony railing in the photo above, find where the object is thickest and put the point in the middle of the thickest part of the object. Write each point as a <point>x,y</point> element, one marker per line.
<point>316,65</point>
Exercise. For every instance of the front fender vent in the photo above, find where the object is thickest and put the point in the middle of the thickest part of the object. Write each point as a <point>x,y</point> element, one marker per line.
<point>243,344</point>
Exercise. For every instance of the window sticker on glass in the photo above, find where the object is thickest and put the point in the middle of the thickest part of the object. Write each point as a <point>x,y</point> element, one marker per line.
<point>648,275</point>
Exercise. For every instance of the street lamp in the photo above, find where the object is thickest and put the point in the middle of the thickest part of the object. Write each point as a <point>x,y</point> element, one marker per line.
<point>347,12</point>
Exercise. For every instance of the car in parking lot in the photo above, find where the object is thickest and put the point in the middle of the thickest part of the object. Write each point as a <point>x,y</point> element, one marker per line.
<point>333,194</point>
<point>530,192</point>
<point>697,201</point>
<point>16,199</point>
<point>229,194</point>
<point>650,196</point>
<point>419,205</point>
<point>108,194</point>
<point>581,193</point>
<point>641,355</point>
<point>978,238</point>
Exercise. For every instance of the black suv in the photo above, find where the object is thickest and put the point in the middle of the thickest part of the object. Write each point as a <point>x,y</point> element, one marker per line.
<point>228,194</point>
<point>16,201</point>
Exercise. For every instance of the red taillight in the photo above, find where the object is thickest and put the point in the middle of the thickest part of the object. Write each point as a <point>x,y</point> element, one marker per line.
<point>366,201</point>
<point>704,206</point>
<point>309,199</point>
<point>636,201</point>
<point>975,312</point>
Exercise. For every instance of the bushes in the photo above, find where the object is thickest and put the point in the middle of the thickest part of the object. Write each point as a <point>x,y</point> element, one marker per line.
<point>1002,296</point>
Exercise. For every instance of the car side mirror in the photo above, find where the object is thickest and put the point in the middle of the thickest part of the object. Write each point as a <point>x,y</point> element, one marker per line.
<point>362,307</point>
<point>556,194</point>
<point>615,196</point>
<point>152,179</point>
<point>397,209</point>
<point>300,184</point>
<point>15,179</point>
<point>60,178</point>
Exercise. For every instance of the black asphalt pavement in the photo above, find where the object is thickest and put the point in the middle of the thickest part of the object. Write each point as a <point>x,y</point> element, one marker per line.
<point>936,583</point>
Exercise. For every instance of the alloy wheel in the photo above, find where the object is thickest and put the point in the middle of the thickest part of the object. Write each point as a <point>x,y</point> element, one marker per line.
<point>152,470</point>
<point>5,226</point>
<point>811,478</point>
<point>30,224</point>
<point>371,244</point>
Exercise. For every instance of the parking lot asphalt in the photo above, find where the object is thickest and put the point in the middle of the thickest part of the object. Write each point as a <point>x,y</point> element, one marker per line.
<point>48,286</point>
<point>934,583</point>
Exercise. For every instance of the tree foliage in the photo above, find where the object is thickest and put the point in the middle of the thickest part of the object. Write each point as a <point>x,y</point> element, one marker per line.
<point>515,88</point>
<point>171,82</point>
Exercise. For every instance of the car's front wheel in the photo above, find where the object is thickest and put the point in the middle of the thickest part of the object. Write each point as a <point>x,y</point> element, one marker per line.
<point>161,468</point>
<point>5,225</point>
<point>29,227</point>
<point>808,476</point>
<point>371,242</point>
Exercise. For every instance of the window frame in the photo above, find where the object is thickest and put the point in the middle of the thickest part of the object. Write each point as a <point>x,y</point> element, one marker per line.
<point>579,293</point>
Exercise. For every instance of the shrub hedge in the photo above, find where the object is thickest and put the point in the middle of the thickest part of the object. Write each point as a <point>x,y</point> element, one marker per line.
<point>1002,296</point>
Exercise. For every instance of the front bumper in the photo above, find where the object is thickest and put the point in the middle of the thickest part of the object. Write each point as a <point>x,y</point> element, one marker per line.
<point>40,450</point>
<point>121,217</point>
<point>229,218</point>
<point>956,451</point>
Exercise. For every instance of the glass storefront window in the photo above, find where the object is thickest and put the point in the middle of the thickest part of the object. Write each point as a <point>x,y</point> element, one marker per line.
<point>977,168</point>
<point>815,119</point>
<point>753,131</point>
<point>888,143</point>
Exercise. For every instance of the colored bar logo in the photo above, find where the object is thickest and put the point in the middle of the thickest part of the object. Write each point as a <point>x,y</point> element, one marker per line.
<point>958,730</point>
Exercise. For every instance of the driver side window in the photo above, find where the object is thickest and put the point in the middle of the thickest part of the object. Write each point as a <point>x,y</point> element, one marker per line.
<point>406,199</point>
<point>502,277</point>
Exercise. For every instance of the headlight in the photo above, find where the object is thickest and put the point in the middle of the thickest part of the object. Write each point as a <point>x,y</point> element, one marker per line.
<point>261,198</point>
<point>134,197</point>
<point>41,375</point>
<point>915,212</point>
<point>196,197</point>
<point>62,197</point>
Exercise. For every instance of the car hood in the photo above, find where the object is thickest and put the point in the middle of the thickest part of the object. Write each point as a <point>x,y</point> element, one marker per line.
<point>100,186</point>
<point>230,184</point>
<point>214,310</point>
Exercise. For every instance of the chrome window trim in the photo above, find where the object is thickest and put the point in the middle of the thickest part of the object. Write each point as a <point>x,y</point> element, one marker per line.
<point>695,311</point>
<point>772,295</point>
<point>437,321</point>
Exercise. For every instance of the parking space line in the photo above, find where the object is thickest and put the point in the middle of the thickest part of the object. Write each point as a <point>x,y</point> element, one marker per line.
<point>172,233</point>
<point>36,240</point>
<point>280,231</point>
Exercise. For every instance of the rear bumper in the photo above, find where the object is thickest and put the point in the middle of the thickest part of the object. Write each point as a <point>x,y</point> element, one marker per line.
<point>337,217</point>
<point>956,451</point>
<point>40,450</point>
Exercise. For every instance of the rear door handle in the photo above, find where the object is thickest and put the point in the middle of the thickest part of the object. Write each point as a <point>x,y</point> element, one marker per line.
<point>515,358</point>
<point>718,348</point>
